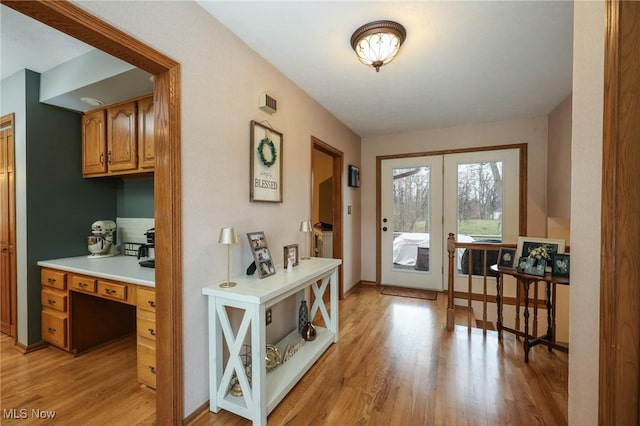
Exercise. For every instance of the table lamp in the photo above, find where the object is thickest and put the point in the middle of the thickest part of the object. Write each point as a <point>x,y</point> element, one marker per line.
<point>305,226</point>
<point>228,237</point>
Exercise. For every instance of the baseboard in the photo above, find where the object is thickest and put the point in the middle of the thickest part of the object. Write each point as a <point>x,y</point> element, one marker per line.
<point>25,349</point>
<point>368,283</point>
<point>199,412</point>
<point>355,287</point>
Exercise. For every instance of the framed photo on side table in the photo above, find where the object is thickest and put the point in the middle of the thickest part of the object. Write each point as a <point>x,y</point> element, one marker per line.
<point>560,265</point>
<point>265,181</point>
<point>528,244</point>
<point>261,255</point>
<point>507,258</point>
<point>291,252</point>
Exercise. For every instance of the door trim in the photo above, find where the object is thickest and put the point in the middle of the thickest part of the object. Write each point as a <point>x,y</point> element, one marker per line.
<point>619,361</point>
<point>523,187</point>
<point>338,160</point>
<point>76,22</point>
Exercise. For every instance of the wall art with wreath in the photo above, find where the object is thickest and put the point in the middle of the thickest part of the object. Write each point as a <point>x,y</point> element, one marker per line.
<point>266,164</point>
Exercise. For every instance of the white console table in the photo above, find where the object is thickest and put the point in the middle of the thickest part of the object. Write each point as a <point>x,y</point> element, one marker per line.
<point>253,296</point>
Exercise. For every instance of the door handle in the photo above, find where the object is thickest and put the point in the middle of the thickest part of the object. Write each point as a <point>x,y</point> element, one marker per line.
<point>384,228</point>
<point>384,220</point>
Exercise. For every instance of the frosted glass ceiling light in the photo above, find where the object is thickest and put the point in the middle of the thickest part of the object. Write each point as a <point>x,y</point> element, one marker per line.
<point>377,43</point>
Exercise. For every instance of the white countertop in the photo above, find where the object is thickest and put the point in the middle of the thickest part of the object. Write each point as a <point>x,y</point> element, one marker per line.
<point>252,289</point>
<point>118,268</point>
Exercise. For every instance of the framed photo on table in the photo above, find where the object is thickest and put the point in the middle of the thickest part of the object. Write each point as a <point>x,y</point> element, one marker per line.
<point>291,252</point>
<point>526,245</point>
<point>265,168</point>
<point>261,255</point>
<point>560,265</point>
<point>507,258</point>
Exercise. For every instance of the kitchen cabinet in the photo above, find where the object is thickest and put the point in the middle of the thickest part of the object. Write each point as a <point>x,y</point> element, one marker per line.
<point>119,139</point>
<point>81,311</point>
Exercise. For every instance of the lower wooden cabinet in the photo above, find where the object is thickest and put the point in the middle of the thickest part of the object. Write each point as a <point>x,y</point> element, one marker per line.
<point>58,315</point>
<point>54,328</point>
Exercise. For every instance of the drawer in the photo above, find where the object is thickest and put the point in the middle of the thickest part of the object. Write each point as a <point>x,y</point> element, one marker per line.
<point>54,300</point>
<point>83,284</point>
<point>146,324</point>
<point>55,279</point>
<point>146,360</point>
<point>54,328</point>
<point>112,290</point>
<point>146,299</point>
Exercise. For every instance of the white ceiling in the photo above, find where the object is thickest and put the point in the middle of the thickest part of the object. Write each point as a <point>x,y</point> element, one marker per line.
<point>462,62</point>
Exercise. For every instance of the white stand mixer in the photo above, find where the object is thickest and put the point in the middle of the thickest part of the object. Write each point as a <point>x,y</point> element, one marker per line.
<point>101,243</point>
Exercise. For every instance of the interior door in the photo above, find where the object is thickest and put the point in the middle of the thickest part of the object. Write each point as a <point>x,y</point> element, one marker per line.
<point>411,212</point>
<point>7,228</point>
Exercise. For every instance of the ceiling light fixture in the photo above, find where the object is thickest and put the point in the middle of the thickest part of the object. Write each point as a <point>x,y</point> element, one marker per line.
<point>92,101</point>
<point>377,43</point>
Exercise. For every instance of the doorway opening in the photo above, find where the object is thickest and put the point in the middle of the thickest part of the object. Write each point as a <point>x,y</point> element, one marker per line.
<point>326,202</point>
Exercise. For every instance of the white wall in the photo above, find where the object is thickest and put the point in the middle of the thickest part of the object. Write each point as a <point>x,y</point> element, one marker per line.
<point>221,81</point>
<point>586,188</point>
<point>531,131</point>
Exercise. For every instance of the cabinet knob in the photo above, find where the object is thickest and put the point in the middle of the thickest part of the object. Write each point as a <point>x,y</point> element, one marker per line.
<point>152,332</point>
<point>152,303</point>
<point>51,330</point>
<point>51,280</point>
<point>102,158</point>
<point>51,302</point>
<point>152,369</point>
<point>109,157</point>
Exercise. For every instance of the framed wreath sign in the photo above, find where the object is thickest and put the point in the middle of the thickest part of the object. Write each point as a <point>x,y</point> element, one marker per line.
<point>266,164</point>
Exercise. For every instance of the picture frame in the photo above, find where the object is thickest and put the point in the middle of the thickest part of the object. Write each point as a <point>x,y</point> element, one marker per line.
<point>265,167</point>
<point>291,251</point>
<point>560,265</point>
<point>261,254</point>
<point>507,258</point>
<point>532,266</point>
<point>526,244</point>
<point>354,176</point>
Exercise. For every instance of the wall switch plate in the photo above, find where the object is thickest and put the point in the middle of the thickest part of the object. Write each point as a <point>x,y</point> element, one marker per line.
<point>348,209</point>
<point>267,316</point>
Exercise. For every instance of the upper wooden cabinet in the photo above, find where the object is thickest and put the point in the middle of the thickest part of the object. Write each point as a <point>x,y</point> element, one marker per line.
<point>119,139</point>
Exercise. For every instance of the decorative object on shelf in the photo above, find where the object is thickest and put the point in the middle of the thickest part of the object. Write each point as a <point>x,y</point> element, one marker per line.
<point>354,176</point>
<point>227,237</point>
<point>261,255</point>
<point>560,265</point>
<point>266,164</point>
<point>273,357</point>
<point>539,248</point>
<point>303,316</point>
<point>507,258</point>
<point>290,350</point>
<point>291,255</point>
<point>251,269</point>
<point>306,227</point>
<point>309,332</point>
<point>235,388</point>
<point>378,43</point>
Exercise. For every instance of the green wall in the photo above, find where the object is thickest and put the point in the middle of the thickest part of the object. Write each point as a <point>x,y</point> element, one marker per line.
<point>61,204</point>
<point>135,197</point>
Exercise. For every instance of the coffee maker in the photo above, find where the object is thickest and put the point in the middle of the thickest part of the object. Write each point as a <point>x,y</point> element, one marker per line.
<point>148,249</point>
<point>102,243</point>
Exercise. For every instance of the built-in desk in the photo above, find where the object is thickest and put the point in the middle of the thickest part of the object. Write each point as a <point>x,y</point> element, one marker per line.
<point>525,281</point>
<point>263,391</point>
<point>89,302</point>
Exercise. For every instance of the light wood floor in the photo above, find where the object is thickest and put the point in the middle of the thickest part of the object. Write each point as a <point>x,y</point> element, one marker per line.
<point>395,364</point>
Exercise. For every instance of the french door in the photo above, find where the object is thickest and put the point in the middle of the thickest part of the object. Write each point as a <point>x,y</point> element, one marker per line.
<point>474,195</point>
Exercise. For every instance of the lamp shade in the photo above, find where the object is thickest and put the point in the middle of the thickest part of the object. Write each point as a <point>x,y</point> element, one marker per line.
<point>228,236</point>
<point>377,43</point>
<point>305,226</point>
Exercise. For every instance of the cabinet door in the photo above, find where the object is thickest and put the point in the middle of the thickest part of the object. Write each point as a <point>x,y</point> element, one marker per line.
<point>121,137</point>
<point>146,143</point>
<point>94,143</point>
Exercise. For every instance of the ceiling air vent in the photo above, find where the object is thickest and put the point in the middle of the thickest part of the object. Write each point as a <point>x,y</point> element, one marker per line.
<point>268,104</point>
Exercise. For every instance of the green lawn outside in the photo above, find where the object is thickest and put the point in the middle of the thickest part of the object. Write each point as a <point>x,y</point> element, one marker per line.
<point>480,227</point>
